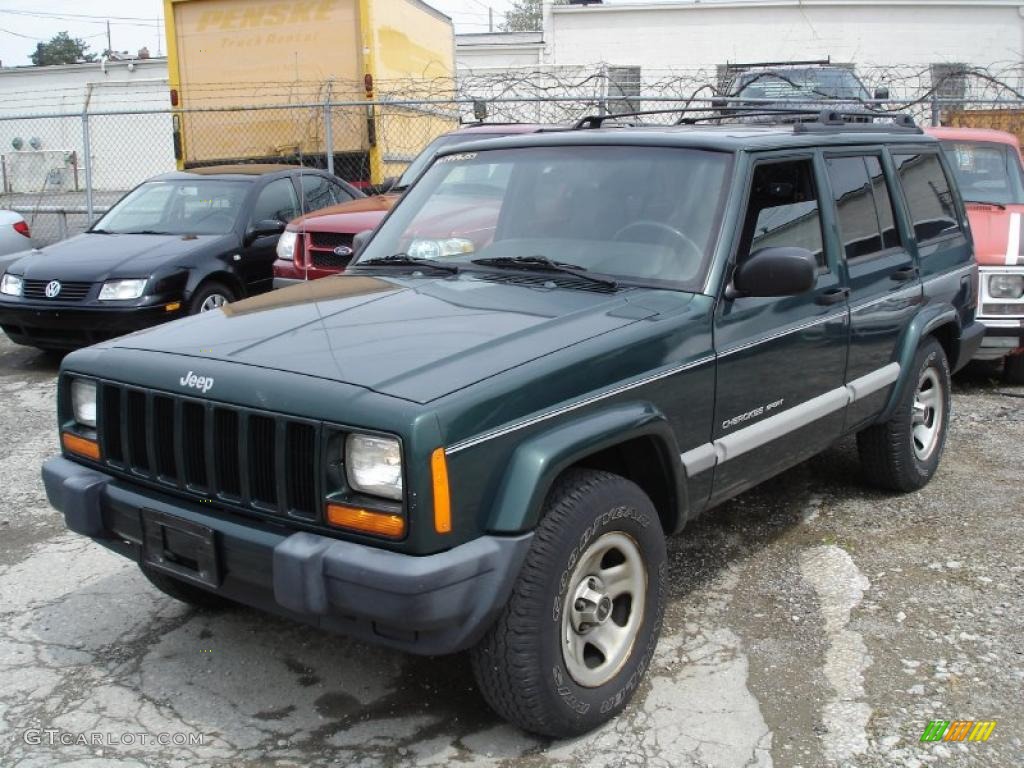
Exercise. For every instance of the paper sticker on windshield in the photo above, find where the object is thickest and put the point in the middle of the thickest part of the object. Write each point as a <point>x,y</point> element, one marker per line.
<point>457,158</point>
<point>965,157</point>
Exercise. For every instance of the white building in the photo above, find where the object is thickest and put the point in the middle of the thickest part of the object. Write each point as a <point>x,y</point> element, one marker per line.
<point>642,44</point>
<point>46,154</point>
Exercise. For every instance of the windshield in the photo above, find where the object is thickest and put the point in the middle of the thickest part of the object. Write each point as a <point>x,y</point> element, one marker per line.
<point>177,207</point>
<point>441,142</point>
<point>810,83</point>
<point>644,214</point>
<point>986,172</point>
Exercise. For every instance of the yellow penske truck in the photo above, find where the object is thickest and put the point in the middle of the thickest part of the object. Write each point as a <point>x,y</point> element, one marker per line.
<point>250,81</point>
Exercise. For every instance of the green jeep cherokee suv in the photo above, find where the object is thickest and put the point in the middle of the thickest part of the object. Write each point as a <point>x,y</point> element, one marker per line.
<point>553,353</point>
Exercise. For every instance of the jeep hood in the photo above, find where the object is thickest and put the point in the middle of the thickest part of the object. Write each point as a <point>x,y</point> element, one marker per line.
<point>416,338</point>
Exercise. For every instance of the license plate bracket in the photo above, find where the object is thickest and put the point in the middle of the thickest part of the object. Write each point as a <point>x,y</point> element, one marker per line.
<point>180,547</point>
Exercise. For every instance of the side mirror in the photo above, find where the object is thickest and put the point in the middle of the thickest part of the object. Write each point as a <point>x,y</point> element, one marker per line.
<point>360,240</point>
<point>882,93</point>
<point>266,227</point>
<point>780,271</point>
<point>387,184</point>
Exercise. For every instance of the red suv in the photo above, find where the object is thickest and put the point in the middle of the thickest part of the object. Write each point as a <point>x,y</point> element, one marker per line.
<point>320,244</point>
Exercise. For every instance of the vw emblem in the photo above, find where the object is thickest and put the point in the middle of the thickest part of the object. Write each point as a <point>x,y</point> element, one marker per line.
<point>52,289</point>
<point>342,250</point>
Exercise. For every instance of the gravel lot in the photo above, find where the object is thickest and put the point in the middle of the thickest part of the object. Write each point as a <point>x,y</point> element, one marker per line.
<point>812,623</point>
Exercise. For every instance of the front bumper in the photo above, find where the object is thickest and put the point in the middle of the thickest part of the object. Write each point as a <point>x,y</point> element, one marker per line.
<point>1003,337</point>
<point>431,604</point>
<point>70,327</point>
<point>287,273</point>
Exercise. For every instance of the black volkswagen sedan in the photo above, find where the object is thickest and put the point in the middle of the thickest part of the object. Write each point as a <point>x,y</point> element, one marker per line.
<point>178,244</point>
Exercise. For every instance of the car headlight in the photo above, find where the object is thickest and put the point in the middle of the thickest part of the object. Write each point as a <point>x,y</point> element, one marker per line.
<point>286,245</point>
<point>1006,286</point>
<point>83,402</point>
<point>439,249</point>
<point>374,465</point>
<point>122,290</point>
<point>12,285</point>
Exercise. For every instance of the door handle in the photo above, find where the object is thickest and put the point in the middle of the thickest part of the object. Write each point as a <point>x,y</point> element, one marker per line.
<point>904,274</point>
<point>833,296</point>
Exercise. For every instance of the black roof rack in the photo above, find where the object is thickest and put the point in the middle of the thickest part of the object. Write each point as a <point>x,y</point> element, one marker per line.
<point>824,120</point>
<point>768,64</point>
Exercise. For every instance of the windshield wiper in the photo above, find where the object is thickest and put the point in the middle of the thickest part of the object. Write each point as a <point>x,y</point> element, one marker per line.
<point>405,260</point>
<point>1000,206</point>
<point>146,232</point>
<point>102,232</point>
<point>543,263</point>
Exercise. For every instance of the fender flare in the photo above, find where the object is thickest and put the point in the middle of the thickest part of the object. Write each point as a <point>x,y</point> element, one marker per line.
<point>927,320</point>
<point>538,461</point>
<point>198,277</point>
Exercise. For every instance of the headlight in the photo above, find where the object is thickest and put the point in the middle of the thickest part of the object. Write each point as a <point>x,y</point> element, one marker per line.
<point>439,249</point>
<point>374,465</point>
<point>1006,286</point>
<point>286,245</point>
<point>122,290</point>
<point>83,402</point>
<point>12,285</point>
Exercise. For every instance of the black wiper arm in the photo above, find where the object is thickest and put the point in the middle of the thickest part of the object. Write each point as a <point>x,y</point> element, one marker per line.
<point>101,232</point>
<point>1000,206</point>
<point>545,264</point>
<point>405,260</point>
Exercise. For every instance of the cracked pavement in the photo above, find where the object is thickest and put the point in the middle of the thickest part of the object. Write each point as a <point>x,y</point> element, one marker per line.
<point>811,622</point>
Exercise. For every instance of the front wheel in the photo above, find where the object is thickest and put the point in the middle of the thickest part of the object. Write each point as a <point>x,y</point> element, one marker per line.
<point>209,296</point>
<point>574,641</point>
<point>902,454</point>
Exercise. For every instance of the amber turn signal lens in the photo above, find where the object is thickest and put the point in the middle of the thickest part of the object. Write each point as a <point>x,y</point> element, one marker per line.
<point>174,306</point>
<point>365,521</point>
<point>442,497</point>
<point>80,445</point>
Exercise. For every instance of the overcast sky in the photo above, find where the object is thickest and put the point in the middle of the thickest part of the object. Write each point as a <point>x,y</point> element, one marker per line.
<point>138,23</point>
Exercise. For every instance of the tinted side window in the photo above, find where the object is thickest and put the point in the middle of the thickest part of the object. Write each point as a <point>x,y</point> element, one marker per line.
<point>883,203</point>
<point>783,209</point>
<point>928,195</point>
<point>855,206</point>
<point>276,201</point>
<point>319,192</point>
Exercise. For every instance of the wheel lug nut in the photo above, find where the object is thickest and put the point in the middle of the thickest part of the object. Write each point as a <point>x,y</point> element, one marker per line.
<point>592,583</point>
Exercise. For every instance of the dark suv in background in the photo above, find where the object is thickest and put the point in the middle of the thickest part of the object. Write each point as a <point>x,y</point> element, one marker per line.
<point>486,450</point>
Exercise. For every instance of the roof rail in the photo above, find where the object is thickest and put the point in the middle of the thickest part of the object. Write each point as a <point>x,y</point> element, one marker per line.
<point>755,64</point>
<point>822,120</point>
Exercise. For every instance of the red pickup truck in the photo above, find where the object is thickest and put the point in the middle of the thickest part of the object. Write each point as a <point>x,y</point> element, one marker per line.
<point>987,166</point>
<point>320,244</point>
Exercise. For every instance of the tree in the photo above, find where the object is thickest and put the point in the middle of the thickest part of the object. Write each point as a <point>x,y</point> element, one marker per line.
<point>525,16</point>
<point>62,49</point>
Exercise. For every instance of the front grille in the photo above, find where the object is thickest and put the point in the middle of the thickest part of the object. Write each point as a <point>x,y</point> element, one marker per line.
<point>252,459</point>
<point>321,250</point>
<point>330,240</point>
<point>36,289</point>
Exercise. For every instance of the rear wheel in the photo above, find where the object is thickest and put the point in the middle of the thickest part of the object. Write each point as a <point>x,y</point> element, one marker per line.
<point>185,592</point>
<point>209,296</point>
<point>575,639</point>
<point>1013,369</point>
<point>903,453</point>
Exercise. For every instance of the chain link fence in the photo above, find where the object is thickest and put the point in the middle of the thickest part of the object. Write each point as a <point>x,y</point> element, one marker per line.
<point>61,171</point>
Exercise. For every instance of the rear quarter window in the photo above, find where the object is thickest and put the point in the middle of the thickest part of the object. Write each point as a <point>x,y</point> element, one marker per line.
<point>928,194</point>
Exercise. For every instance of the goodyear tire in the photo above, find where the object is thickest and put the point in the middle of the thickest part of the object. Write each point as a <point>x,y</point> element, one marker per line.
<point>903,453</point>
<point>185,592</point>
<point>577,635</point>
